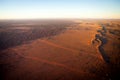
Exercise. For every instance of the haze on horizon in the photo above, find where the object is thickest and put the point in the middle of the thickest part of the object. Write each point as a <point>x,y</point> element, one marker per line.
<point>37,9</point>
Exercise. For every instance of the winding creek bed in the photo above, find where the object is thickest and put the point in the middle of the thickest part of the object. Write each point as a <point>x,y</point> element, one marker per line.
<point>101,38</point>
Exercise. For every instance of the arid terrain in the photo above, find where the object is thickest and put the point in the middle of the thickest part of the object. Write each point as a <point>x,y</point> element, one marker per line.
<point>78,49</point>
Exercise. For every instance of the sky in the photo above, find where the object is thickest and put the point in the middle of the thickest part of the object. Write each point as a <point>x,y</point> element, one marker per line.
<point>40,9</point>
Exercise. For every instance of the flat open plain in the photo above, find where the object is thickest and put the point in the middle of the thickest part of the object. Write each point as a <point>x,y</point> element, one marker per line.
<point>78,49</point>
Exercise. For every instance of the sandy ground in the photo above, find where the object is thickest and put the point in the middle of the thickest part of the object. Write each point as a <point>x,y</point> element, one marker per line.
<point>69,55</point>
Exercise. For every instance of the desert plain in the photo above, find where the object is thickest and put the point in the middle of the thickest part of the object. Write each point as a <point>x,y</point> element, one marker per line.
<point>68,49</point>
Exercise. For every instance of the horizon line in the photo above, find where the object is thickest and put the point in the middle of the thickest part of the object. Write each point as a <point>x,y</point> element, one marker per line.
<point>55,18</point>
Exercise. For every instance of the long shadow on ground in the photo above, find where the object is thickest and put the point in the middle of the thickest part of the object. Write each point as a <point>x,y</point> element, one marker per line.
<point>14,37</point>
